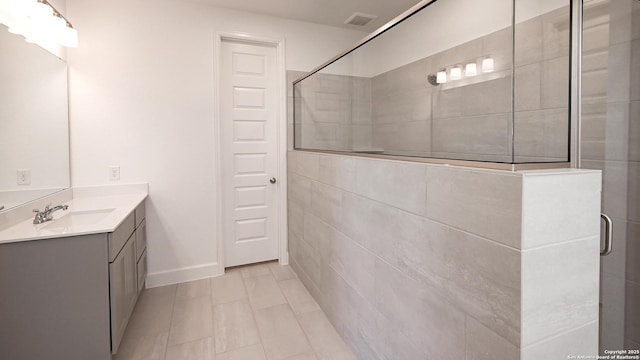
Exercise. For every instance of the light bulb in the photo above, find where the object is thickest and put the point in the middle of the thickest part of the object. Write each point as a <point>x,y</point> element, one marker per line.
<point>471,69</point>
<point>456,73</point>
<point>487,65</point>
<point>441,77</point>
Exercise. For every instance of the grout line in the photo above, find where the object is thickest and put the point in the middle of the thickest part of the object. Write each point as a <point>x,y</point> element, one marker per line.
<point>558,334</point>
<point>173,306</point>
<point>253,316</point>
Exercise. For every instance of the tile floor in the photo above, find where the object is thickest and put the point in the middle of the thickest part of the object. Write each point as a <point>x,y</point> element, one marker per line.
<point>260,312</point>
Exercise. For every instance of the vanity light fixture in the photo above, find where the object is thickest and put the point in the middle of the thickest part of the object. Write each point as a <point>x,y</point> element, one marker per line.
<point>441,77</point>
<point>38,21</point>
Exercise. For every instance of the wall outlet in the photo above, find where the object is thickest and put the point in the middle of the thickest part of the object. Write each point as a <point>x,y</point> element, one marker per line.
<point>24,177</point>
<point>114,173</point>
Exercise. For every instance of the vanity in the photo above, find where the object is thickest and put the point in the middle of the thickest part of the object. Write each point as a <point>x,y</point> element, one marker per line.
<point>69,285</point>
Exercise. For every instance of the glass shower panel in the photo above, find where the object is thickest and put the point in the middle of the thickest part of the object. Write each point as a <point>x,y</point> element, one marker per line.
<point>385,96</point>
<point>611,142</point>
<point>442,83</point>
<point>542,74</point>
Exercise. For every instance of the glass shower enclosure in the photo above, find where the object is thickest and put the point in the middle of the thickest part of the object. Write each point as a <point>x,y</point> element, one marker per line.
<point>483,81</point>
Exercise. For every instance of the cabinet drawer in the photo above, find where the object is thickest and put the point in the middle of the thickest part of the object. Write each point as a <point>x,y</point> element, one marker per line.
<point>119,237</point>
<point>141,239</point>
<point>142,271</point>
<point>141,213</point>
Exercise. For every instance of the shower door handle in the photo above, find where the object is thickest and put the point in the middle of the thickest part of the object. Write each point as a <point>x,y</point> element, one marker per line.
<point>608,232</point>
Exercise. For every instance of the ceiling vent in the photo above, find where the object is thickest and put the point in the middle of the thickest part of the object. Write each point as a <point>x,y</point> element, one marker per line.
<point>360,19</point>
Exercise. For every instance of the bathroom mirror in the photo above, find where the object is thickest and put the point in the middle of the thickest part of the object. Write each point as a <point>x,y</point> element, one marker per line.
<point>34,126</point>
<point>458,79</point>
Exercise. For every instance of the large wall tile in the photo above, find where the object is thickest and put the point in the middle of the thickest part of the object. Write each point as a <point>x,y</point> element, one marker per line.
<point>296,218</point>
<point>527,87</point>
<point>555,83</point>
<point>556,33</point>
<point>634,131</point>
<point>311,262</point>
<point>353,263</point>
<point>395,183</point>
<point>528,42</point>
<point>370,223</point>
<point>483,344</point>
<point>338,171</point>
<point>326,203</point>
<point>299,190</point>
<point>478,276</point>
<point>559,288</point>
<point>612,313</point>
<point>542,133</point>
<point>472,137</point>
<point>339,301</point>
<point>574,343</point>
<point>318,235</point>
<point>632,316</point>
<point>426,318</point>
<point>635,70</point>
<point>386,335</point>
<point>633,252</point>
<point>484,203</point>
<point>548,199</point>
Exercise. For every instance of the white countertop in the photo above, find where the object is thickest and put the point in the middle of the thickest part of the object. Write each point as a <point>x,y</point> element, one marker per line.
<point>121,204</point>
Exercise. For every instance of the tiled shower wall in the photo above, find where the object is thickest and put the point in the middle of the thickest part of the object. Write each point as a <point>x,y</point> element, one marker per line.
<point>401,113</point>
<point>472,119</point>
<point>335,112</point>
<point>611,142</point>
<point>418,261</point>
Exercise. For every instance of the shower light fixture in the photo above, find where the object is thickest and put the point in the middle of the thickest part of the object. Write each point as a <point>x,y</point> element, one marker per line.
<point>38,22</point>
<point>455,73</point>
<point>471,69</point>
<point>487,65</point>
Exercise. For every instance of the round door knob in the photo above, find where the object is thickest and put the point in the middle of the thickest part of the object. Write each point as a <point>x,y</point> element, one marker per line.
<point>272,180</point>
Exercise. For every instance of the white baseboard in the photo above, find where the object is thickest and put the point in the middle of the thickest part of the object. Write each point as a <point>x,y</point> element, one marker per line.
<point>175,276</point>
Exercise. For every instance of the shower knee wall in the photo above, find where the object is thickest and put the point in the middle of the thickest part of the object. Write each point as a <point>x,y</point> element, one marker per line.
<point>408,259</point>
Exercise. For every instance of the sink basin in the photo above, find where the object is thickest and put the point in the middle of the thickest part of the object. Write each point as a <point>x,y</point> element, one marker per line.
<point>79,218</point>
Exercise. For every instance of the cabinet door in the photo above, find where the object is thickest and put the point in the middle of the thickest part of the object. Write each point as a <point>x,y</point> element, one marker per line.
<point>123,281</point>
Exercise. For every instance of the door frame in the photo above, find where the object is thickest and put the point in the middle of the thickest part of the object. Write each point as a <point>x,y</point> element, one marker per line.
<point>281,124</point>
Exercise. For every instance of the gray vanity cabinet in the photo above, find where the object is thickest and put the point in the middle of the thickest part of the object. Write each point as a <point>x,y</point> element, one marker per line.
<point>71,297</point>
<point>127,271</point>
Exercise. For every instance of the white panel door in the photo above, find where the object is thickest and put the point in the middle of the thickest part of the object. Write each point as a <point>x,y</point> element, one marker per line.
<point>249,110</point>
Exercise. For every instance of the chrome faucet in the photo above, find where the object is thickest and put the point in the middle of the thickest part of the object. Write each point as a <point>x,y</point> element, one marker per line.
<point>47,214</point>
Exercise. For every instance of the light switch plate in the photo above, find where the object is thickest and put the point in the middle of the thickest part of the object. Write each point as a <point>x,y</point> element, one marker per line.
<point>24,177</point>
<point>114,173</point>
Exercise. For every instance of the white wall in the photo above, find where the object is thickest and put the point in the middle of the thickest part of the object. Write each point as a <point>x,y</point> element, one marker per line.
<point>141,93</point>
